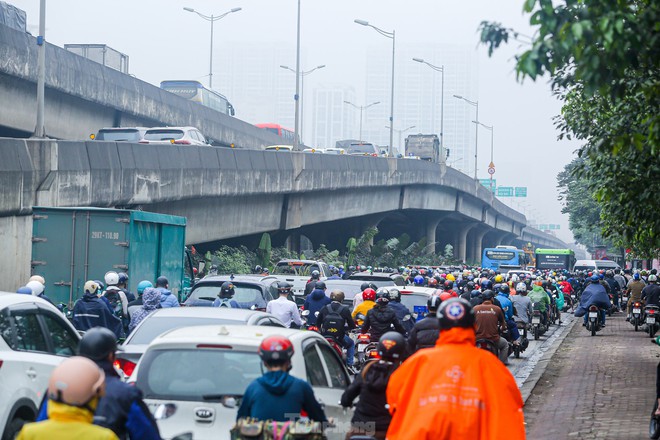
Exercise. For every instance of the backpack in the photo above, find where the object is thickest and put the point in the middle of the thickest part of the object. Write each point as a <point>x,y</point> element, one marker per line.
<point>253,429</point>
<point>333,322</point>
<point>225,302</point>
<point>115,302</point>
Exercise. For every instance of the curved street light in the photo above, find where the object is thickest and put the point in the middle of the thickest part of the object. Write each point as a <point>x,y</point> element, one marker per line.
<point>440,69</point>
<point>302,93</point>
<point>361,108</point>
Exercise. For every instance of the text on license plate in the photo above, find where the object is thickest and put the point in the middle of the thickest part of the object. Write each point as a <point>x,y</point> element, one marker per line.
<point>536,320</point>
<point>637,310</point>
<point>650,320</point>
<point>593,314</point>
<point>361,347</point>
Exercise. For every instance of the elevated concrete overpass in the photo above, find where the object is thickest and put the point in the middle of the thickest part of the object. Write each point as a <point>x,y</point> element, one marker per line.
<point>227,193</point>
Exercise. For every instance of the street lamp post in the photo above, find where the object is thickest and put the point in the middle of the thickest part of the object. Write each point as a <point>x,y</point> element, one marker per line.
<point>302,94</point>
<point>390,35</point>
<point>212,19</point>
<point>401,132</point>
<point>440,69</point>
<point>490,128</point>
<point>476,131</point>
<point>40,127</point>
<point>361,108</point>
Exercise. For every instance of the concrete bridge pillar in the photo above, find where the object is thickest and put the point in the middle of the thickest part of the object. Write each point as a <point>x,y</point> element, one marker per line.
<point>477,239</point>
<point>431,226</point>
<point>293,242</point>
<point>462,240</point>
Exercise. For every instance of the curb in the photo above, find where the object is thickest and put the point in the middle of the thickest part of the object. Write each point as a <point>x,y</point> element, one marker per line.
<point>531,381</point>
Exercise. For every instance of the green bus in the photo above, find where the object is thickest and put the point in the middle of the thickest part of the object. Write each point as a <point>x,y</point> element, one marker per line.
<point>554,259</point>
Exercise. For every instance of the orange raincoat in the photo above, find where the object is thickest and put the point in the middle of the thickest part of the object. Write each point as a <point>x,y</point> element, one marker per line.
<point>454,391</point>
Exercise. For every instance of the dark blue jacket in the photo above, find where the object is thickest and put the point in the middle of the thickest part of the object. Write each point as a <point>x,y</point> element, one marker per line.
<point>401,311</point>
<point>121,409</point>
<point>276,396</point>
<point>90,311</point>
<point>594,293</point>
<point>314,303</point>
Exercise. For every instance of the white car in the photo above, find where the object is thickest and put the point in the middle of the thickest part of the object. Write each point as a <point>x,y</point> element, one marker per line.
<point>314,150</point>
<point>36,337</point>
<point>285,148</point>
<point>332,150</point>
<point>193,378</point>
<point>174,135</point>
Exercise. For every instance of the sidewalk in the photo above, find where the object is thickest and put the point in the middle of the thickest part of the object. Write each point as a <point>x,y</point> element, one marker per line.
<point>599,387</point>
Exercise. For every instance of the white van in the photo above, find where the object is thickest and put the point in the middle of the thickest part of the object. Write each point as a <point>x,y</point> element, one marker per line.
<point>590,265</point>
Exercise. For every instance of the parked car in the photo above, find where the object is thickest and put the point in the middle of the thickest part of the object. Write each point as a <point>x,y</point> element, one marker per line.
<point>36,337</point>
<point>163,320</point>
<point>174,135</point>
<point>250,291</point>
<point>193,378</point>
<point>120,134</point>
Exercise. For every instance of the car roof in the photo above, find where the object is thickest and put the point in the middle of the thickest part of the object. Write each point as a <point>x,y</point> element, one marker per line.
<point>208,312</point>
<point>122,128</point>
<point>387,275</point>
<point>299,261</point>
<point>172,128</point>
<point>10,299</point>
<point>230,334</point>
<point>236,279</point>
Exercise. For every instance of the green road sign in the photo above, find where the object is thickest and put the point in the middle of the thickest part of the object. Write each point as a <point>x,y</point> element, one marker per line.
<point>505,191</point>
<point>543,227</point>
<point>487,183</point>
<point>521,191</point>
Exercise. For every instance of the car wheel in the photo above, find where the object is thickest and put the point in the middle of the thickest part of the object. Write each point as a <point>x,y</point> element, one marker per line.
<point>13,428</point>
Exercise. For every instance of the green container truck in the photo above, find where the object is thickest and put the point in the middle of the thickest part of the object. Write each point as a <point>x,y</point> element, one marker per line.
<point>73,245</point>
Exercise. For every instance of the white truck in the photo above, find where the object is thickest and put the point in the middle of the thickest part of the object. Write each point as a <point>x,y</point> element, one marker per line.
<point>298,272</point>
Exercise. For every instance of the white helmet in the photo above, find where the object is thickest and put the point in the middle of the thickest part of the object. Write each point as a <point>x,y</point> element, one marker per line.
<point>92,287</point>
<point>111,278</point>
<point>38,278</point>
<point>521,287</point>
<point>514,278</point>
<point>36,287</point>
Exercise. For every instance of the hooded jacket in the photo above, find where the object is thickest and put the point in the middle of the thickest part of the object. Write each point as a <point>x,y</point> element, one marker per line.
<point>314,303</point>
<point>379,321</point>
<point>443,393</point>
<point>401,312</point>
<point>276,396</point>
<point>506,304</point>
<point>539,298</point>
<point>166,298</point>
<point>424,334</point>
<point>66,422</point>
<point>370,385</point>
<point>90,311</point>
<point>150,301</point>
<point>594,294</point>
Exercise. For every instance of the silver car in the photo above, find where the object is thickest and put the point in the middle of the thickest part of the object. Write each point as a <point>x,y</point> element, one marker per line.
<point>174,135</point>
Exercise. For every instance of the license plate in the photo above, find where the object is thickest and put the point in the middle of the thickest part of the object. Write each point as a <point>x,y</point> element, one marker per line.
<point>361,347</point>
<point>536,320</point>
<point>650,320</point>
<point>637,310</point>
<point>593,314</point>
<point>624,298</point>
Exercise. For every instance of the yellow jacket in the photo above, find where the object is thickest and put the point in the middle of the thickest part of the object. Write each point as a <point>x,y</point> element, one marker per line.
<point>67,423</point>
<point>363,308</point>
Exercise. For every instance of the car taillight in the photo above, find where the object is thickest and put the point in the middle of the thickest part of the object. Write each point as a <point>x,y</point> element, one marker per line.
<point>651,311</point>
<point>364,337</point>
<point>182,142</point>
<point>125,365</point>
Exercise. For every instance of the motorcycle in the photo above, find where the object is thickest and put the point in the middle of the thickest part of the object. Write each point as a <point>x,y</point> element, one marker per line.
<point>593,321</point>
<point>361,344</point>
<point>624,301</point>
<point>652,313</point>
<point>636,319</point>
<point>488,345</point>
<point>536,324</point>
<point>524,342</point>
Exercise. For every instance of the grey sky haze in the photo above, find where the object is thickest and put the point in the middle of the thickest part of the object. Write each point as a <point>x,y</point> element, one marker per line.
<point>165,42</point>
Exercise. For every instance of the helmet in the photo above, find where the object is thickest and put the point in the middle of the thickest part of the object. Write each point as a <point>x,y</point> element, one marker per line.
<point>276,349</point>
<point>38,278</point>
<point>369,294</point>
<point>475,293</point>
<point>487,294</point>
<point>266,270</point>
<point>433,303</point>
<point>486,285</point>
<point>334,270</point>
<point>226,290</point>
<point>419,280</point>
<point>258,269</point>
<point>383,301</point>
<point>594,278</point>
<point>111,278</point>
<point>391,346</point>
<point>521,288</point>
<point>444,296</point>
<point>36,286</point>
<point>504,289</point>
<point>162,281</point>
<point>92,287</point>
<point>433,282</point>
<point>394,295</point>
<point>351,268</point>
<point>364,286</point>
<point>283,287</point>
<point>316,274</point>
<point>449,285</point>
<point>402,269</point>
<point>470,285</point>
<point>97,343</point>
<point>653,278</point>
<point>76,381</point>
<point>455,312</point>
<point>123,278</point>
<point>144,284</point>
<point>320,285</point>
<point>24,290</point>
<point>499,278</point>
<point>451,277</point>
<point>382,291</point>
<point>337,295</point>
<point>636,276</point>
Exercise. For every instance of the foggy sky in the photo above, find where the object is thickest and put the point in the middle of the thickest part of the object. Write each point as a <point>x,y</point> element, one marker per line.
<point>163,42</point>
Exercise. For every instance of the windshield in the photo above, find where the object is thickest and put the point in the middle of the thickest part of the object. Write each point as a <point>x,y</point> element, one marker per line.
<point>189,374</point>
<point>361,148</point>
<point>163,135</point>
<point>297,268</point>
<point>246,295</point>
<point>414,299</point>
<point>576,268</point>
<point>378,281</point>
<point>118,135</point>
<point>154,326</point>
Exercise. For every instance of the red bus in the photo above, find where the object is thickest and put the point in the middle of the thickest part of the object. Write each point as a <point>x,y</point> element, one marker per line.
<point>284,133</point>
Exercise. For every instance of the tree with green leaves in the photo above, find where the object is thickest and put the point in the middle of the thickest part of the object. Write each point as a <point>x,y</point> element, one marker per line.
<point>603,58</point>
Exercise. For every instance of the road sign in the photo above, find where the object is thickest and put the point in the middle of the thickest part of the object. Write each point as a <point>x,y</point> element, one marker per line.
<point>487,182</point>
<point>491,170</point>
<point>543,227</point>
<point>491,165</point>
<point>521,191</point>
<point>505,191</point>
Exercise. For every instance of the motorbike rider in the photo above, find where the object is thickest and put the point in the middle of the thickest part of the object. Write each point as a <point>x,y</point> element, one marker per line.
<point>121,409</point>
<point>371,386</point>
<point>449,391</point>
<point>116,297</point>
<point>74,389</point>
<point>522,304</point>
<point>315,302</point>
<point>614,287</point>
<point>123,285</point>
<point>594,294</point>
<point>277,395</point>
<point>311,283</point>
<point>620,279</point>
<point>651,293</point>
<point>283,308</point>
<point>137,303</point>
<point>402,312</point>
<point>150,302</point>
<point>425,332</point>
<point>507,308</point>
<point>634,287</point>
<point>380,319</point>
<point>91,311</point>
<point>225,296</point>
<point>369,301</point>
<point>540,301</point>
<point>333,320</point>
<point>37,284</point>
<point>167,299</point>
<point>489,321</point>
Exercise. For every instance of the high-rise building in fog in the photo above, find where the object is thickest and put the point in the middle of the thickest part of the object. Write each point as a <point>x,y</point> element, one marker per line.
<point>332,119</point>
<point>417,99</point>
